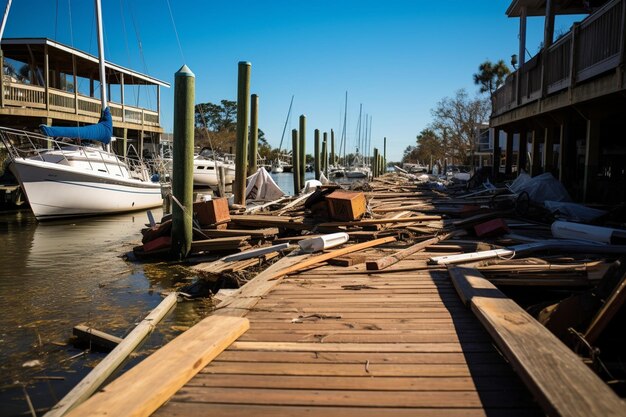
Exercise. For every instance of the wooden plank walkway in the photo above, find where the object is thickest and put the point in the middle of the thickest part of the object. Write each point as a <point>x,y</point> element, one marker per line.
<point>326,343</point>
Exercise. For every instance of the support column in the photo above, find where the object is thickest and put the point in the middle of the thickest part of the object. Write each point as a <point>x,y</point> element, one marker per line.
<point>375,165</point>
<point>548,150</point>
<point>592,157</point>
<point>522,156</point>
<point>325,155</point>
<point>316,154</point>
<point>46,68</point>
<point>125,133</point>
<point>562,146</point>
<point>253,149</point>
<point>243,112</point>
<point>1,80</point>
<point>522,36</point>
<point>302,148</point>
<point>508,164</point>
<point>496,154</point>
<point>535,166</point>
<point>123,96</point>
<point>182,181</point>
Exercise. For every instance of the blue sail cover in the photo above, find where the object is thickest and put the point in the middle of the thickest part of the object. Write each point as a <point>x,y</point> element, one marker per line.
<point>101,132</point>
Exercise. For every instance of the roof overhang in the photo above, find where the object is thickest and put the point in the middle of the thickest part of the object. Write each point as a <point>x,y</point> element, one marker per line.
<point>20,47</point>
<point>538,7</point>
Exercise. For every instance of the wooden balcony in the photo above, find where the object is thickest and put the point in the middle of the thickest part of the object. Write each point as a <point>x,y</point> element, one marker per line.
<point>36,101</point>
<point>592,52</point>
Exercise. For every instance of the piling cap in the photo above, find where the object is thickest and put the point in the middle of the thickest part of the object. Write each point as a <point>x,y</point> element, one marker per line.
<point>184,71</point>
<point>245,63</point>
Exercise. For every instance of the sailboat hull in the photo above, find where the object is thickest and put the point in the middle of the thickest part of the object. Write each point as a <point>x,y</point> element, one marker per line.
<point>57,191</point>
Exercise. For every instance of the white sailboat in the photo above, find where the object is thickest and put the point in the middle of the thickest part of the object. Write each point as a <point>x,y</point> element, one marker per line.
<point>62,179</point>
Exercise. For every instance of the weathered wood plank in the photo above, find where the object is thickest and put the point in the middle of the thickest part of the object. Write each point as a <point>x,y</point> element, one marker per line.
<point>145,387</point>
<point>363,347</point>
<point>560,381</point>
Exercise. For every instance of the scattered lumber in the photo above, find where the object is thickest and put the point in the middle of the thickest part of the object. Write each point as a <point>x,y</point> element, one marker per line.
<point>253,233</point>
<point>559,380</point>
<point>607,312</point>
<point>333,254</point>
<point>415,219</point>
<point>94,337</point>
<point>220,244</point>
<point>387,261</point>
<point>112,361</point>
<point>347,260</point>
<point>259,220</point>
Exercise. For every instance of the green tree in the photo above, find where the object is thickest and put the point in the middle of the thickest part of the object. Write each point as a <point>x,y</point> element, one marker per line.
<point>456,121</point>
<point>429,146</point>
<point>490,76</point>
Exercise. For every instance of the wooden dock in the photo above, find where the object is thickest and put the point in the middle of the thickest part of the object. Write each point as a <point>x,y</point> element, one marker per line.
<point>410,340</point>
<point>325,342</point>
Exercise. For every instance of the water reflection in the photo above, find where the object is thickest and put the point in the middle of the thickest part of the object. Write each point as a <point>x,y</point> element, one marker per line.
<point>55,275</point>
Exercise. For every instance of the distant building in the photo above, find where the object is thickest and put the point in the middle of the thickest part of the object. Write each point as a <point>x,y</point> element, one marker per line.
<point>46,82</point>
<point>567,103</point>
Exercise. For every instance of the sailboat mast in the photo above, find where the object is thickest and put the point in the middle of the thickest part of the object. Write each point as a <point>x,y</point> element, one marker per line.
<point>280,146</point>
<point>344,137</point>
<point>103,84</point>
<point>4,18</point>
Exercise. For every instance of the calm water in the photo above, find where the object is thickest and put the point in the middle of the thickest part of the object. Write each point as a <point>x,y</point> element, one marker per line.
<point>55,275</point>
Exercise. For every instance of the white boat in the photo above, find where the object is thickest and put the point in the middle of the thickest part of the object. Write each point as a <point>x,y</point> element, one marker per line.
<point>62,179</point>
<point>278,166</point>
<point>206,167</point>
<point>69,180</point>
<point>357,172</point>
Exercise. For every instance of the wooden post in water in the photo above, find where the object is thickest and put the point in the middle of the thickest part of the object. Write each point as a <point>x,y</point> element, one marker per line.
<point>182,181</point>
<point>254,134</point>
<point>384,155</point>
<point>325,155</point>
<point>295,162</point>
<point>332,148</point>
<point>317,155</point>
<point>381,165</point>
<point>375,164</point>
<point>241,156</point>
<point>302,148</point>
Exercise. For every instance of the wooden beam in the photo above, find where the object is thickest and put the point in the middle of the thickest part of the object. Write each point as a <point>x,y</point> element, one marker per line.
<point>334,254</point>
<point>144,388</point>
<point>387,261</point>
<point>93,336</point>
<point>560,381</point>
<point>508,164</point>
<point>607,312</point>
<point>592,157</point>
<point>112,361</point>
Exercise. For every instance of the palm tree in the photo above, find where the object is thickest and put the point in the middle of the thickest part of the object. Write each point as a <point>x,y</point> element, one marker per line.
<point>490,76</point>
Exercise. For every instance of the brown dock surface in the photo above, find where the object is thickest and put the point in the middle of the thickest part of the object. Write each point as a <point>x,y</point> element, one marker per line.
<point>327,342</point>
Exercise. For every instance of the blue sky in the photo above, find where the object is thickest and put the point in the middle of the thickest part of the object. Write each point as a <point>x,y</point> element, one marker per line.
<point>396,57</point>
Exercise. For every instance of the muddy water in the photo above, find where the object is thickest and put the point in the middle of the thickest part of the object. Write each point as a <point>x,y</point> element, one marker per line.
<point>55,275</point>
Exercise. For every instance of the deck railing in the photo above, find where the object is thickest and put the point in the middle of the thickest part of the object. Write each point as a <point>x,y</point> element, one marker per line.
<point>592,47</point>
<point>21,95</point>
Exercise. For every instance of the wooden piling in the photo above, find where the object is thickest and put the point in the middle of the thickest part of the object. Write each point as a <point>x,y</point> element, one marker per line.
<point>302,148</point>
<point>182,181</point>
<point>325,155</point>
<point>295,162</point>
<point>317,155</point>
<point>332,148</point>
<point>253,149</point>
<point>241,155</point>
<point>375,164</point>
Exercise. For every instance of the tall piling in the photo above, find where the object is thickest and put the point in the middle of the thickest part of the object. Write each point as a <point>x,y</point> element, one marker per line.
<point>302,148</point>
<point>332,162</point>
<point>253,148</point>
<point>384,155</point>
<point>182,178</point>
<point>317,155</point>
<point>295,162</point>
<point>325,155</point>
<point>375,164</point>
<point>241,154</point>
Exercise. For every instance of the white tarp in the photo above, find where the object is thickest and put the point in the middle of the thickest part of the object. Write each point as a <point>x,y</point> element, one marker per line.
<point>540,188</point>
<point>261,187</point>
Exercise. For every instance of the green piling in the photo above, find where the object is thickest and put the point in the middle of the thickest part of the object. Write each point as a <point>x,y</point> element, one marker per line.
<point>325,155</point>
<point>295,162</point>
<point>302,148</point>
<point>332,148</point>
<point>253,149</point>
<point>182,181</point>
<point>241,154</point>
<point>317,155</point>
<point>384,154</point>
<point>375,164</point>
